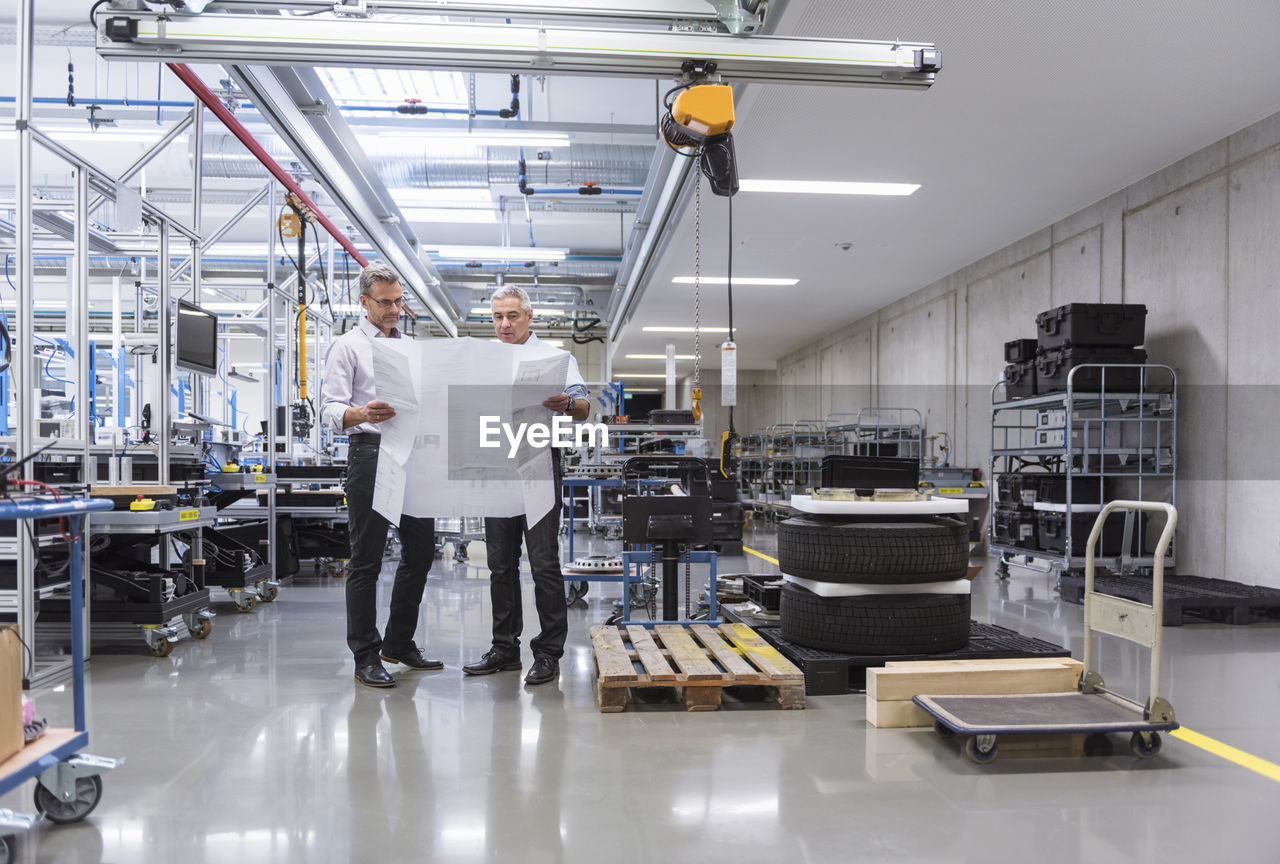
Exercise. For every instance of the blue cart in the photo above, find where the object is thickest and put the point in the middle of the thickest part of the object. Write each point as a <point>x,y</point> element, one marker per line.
<point>69,782</point>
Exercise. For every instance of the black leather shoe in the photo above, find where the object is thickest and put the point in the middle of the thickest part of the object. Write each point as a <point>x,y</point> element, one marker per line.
<point>412,658</point>
<point>374,675</point>
<point>492,662</point>
<point>544,669</point>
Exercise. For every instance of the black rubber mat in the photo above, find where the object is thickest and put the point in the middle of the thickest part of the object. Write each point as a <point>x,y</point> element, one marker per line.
<point>827,673</point>
<point>1065,713</point>
<point>1186,598</point>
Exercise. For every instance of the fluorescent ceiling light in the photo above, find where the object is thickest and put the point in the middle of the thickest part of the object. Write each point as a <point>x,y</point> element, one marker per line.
<point>827,187</point>
<point>219,306</point>
<point>499,253</point>
<point>554,343</point>
<point>82,133</point>
<point>488,138</point>
<point>538,312</point>
<point>412,196</point>
<point>445,215</point>
<point>658,356</point>
<point>624,377</point>
<point>641,389</point>
<point>737,280</point>
<point>685,329</point>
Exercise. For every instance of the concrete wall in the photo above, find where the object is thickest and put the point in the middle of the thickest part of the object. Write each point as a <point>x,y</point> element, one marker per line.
<point>1195,242</point>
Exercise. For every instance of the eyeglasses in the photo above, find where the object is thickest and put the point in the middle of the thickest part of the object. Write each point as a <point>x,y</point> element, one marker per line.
<point>387,304</point>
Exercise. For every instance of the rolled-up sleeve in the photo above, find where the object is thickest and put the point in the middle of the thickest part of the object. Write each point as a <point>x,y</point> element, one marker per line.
<point>339,373</point>
<point>574,385</point>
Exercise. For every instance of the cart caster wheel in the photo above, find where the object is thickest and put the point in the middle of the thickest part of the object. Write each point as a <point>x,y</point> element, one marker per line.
<point>88,793</point>
<point>248,604</point>
<point>1144,744</point>
<point>980,748</point>
<point>1098,744</point>
<point>268,593</point>
<point>201,630</point>
<point>163,648</point>
<point>943,730</point>
<point>577,590</point>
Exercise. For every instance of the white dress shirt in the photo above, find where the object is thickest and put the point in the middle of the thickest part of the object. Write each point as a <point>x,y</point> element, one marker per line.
<point>348,376</point>
<point>574,385</point>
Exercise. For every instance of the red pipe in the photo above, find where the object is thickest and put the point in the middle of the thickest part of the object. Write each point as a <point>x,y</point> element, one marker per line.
<point>214,104</point>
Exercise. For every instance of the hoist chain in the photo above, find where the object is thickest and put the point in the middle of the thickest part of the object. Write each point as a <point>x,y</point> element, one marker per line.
<point>697,280</point>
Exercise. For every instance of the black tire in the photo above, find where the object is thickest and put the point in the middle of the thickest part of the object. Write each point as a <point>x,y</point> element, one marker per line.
<point>878,624</point>
<point>883,553</point>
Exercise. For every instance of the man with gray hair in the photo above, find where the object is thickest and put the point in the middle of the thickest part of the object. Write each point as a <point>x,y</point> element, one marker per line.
<point>512,317</point>
<point>349,406</point>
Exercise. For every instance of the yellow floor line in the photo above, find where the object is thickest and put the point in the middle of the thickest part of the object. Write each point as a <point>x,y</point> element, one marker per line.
<point>750,551</point>
<point>1267,769</point>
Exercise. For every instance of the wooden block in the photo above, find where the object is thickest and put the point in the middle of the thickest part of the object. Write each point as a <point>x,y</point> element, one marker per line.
<point>136,489</point>
<point>728,657</point>
<point>761,653</point>
<point>790,696</point>
<point>897,714</point>
<point>985,664</point>
<point>701,698</point>
<point>902,682</point>
<point>650,655</point>
<point>686,654</point>
<point>612,661</point>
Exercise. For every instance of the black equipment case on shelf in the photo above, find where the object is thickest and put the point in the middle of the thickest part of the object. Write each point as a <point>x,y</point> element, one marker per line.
<point>1053,533</point>
<point>1122,324</point>
<point>1020,380</point>
<point>671,417</point>
<point>1020,350</point>
<point>1016,526</point>
<point>1054,365</point>
<point>1024,490</point>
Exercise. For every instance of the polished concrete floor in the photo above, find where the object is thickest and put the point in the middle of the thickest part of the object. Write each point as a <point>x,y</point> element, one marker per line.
<point>256,746</point>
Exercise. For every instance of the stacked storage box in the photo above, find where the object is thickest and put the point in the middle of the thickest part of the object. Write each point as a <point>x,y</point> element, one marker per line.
<point>1074,335</point>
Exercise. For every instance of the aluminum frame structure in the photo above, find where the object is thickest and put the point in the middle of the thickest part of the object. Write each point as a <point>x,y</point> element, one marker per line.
<point>501,48</point>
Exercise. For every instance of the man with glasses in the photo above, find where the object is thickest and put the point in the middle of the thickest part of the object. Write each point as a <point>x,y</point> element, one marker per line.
<point>349,405</point>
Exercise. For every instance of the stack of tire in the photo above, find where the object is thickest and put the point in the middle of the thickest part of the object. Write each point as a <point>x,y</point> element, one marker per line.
<point>875,586</point>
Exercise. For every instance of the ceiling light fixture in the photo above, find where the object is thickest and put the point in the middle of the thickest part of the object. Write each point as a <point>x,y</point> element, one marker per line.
<point>658,356</point>
<point>625,377</point>
<point>827,187</point>
<point>498,253</point>
<point>538,312</point>
<point>685,329</point>
<point>737,280</point>
<point>492,138</point>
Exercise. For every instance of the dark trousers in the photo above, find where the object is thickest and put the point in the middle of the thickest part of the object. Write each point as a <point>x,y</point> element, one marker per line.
<point>502,547</point>
<point>368,540</point>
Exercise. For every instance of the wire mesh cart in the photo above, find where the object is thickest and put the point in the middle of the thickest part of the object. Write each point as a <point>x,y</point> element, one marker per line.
<point>1092,710</point>
<point>69,782</point>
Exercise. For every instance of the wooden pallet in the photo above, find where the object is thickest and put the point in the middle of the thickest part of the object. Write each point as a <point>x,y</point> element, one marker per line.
<point>696,663</point>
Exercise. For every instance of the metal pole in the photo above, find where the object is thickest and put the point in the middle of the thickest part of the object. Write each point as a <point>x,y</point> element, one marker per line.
<point>197,247</point>
<point>269,386</point>
<point>24,381</point>
<point>79,314</point>
<point>164,361</point>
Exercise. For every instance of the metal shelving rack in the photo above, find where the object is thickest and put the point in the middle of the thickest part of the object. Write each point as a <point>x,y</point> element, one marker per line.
<point>896,432</point>
<point>1125,438</point>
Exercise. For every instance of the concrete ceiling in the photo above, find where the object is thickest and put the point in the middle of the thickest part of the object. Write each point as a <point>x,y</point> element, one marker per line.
<point>1041,109</point>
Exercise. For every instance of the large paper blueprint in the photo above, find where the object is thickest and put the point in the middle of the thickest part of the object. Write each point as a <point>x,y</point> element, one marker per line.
<point>445,392</point>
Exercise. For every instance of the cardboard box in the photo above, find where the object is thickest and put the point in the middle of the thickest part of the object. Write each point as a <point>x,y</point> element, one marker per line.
<point>10,691</point>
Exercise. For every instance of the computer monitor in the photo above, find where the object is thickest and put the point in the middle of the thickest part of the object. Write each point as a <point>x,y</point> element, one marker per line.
<point>197,339</point>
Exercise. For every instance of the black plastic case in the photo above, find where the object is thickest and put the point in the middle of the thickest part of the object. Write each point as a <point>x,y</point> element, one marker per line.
<point>1016,527</point>
<point>1054,365</point>
<point>1123,324</point>
<point>1020,380</point>
<point>1020,350</point>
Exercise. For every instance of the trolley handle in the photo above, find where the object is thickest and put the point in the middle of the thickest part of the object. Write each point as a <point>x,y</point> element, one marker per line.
<point>1157,584</point>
